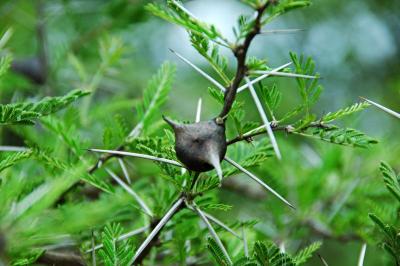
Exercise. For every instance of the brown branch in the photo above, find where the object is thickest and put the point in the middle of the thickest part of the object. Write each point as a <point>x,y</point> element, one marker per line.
<point>60,258</point>
<point>240,53</point>
<point>275,127</point>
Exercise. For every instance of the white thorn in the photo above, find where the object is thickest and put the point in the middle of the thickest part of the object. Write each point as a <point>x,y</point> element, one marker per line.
<point>220,223</point>
<point>139,155</point>
<point>136,130</point>
<point>264,118</point>
<point>122,237</point>
<point>280,31</point>
<point>185,10</point>
<point>13,148</point>
<point>198,111</point>
<point>362,254</point>
<point>245,246</point>
<point>130,191</point>
<point>204,74</point>
<point>284,74</point>
<point>214,161</point>
<point>158,227</point>
<point>259,181</point>
<point>387,110</point>
<point>124,170</point>
<point>245,86</point>
<point>212,232</point>
<point>93,251</point>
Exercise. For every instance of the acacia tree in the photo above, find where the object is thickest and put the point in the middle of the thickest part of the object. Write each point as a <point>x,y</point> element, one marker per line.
<point>187,186</point>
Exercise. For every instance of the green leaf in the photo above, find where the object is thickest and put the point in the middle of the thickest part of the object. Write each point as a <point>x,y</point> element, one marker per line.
<point>155,94</point>
<point>336,135</point>
<point>113,253</point>
<point>24,113</point>
<point>13,158</point>
<point>392,181</point>
<point>178,15</point>
<point>303,255</point>
<point>272,97</point>
<point>217,253</point>
<point>329,117</point>
<point>309,89</point>
<point>211,54</point>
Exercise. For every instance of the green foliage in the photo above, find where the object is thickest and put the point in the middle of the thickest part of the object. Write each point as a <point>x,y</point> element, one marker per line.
<point>272,97</point>
<point>304,254</point>
<point>391,233</point>
<point>24,113</point>
<point>211,54</point>
<point>55,193</point>
<point>264,254</point>
<point>113,253</point>
<point>178,15</point>
<point>217,253</point>
<point>336,135</point>
<point>357,107</point>
<point>14,158</point>
<point>309,89</point>
<point>155,94</point>
<point>392,181</point>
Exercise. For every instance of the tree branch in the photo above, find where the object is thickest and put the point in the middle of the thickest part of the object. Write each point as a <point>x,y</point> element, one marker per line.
<point>240,53</point>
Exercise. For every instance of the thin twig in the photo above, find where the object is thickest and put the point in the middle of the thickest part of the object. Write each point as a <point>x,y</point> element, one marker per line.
<point>240,53</point>
<point>259,181</point>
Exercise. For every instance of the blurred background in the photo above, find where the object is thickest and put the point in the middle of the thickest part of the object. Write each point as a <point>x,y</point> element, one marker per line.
<point>356,47</point>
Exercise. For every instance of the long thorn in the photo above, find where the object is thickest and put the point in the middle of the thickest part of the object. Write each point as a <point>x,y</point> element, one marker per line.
<point>362,254</point>
<point>245,246</point>
<point>212,232</point>
<point>138,155</point>
<point>204,74</point>
<point>259,181</point>
<point>198,111</point>
<point>185,10</point>
<point>285,31</point>
<point>220,223</point>
<point>122,237</point>
<point>93,251</point>
<point>264,119</point>
<point>158,227</point>
<point>284,74</point>
<point>245,86</point>
<point>387,110</point>
<point>124,170</point>
<point>13,148</point>
<point>130,191</point>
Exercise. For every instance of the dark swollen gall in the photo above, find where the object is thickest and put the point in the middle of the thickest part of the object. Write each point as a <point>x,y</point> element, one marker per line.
<point>200,146</point>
